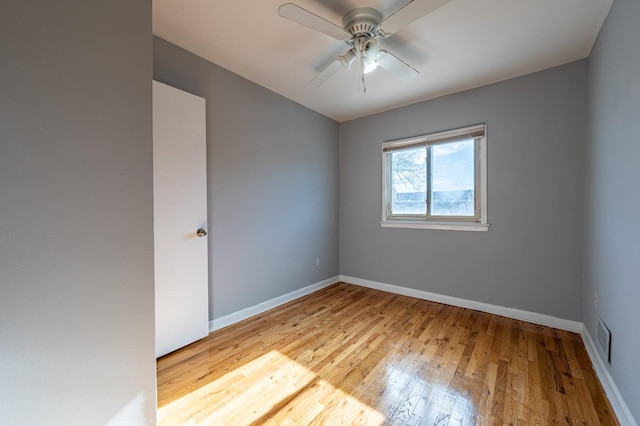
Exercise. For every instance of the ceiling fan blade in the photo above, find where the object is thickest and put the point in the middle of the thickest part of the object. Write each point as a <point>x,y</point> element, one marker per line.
<point>410,12</point>
<point>310,20</point>
<point>325,74</point>
<point>396,66</point>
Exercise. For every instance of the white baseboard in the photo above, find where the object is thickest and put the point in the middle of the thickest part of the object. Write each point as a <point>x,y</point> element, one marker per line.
<point>218,323</point>
<point>615,398</point>
<point>532,317</point>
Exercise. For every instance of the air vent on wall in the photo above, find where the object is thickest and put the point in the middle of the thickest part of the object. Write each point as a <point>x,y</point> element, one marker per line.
<point>604,338</point>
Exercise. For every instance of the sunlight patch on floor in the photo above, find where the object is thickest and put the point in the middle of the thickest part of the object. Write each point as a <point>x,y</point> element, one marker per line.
<point>266,388</point>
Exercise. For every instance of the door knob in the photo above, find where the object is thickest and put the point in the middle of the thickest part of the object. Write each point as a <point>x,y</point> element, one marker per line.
<point>201,232</point>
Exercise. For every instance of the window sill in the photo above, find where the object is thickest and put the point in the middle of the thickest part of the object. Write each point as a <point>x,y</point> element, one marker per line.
<point>447,226</point>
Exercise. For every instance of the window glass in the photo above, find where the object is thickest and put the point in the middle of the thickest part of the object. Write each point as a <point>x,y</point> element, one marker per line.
<point>453,174</point>
<point>409,182</point>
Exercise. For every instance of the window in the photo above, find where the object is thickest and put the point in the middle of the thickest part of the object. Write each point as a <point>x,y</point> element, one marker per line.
<point>436,181</point>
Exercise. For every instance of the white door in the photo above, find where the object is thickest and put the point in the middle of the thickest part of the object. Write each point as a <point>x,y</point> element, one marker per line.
<point>180,218</point>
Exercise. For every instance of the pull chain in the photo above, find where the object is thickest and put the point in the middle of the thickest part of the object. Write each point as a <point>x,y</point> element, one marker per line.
<point>364,85</point>
<point>360,48</point>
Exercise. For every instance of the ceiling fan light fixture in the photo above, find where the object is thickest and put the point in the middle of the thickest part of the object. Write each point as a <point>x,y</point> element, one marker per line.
<point>370,53</point>
<point>347,59</point>
<point>370,64</point>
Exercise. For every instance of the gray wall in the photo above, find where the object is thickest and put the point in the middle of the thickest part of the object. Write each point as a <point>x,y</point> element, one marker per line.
<point>531,258</point>
<point>272,184</point>
<point>76,234</point>
<point>613,172</point>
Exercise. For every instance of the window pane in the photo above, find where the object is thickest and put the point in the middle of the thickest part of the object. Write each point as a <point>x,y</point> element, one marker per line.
<point>453,179</point>
<point>409,181</point>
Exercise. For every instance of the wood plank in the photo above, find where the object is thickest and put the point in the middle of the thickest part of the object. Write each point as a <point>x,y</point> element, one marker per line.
<point>352,355</point>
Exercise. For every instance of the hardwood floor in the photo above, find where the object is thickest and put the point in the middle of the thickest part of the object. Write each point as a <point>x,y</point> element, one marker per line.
<point>352,355</point>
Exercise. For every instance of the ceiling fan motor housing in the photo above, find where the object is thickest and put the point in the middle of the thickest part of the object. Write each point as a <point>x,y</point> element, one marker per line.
<point>362,22</point>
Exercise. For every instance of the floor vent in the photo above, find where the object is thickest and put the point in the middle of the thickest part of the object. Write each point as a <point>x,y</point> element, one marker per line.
<point>604,338</point>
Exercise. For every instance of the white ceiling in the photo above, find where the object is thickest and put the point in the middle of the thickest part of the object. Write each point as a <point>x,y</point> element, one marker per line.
<point>462,45</point>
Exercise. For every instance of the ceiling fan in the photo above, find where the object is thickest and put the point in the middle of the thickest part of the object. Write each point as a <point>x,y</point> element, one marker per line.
<point>361,30</point>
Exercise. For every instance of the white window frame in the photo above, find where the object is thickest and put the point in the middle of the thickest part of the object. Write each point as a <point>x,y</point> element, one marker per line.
<point>478,222</point>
